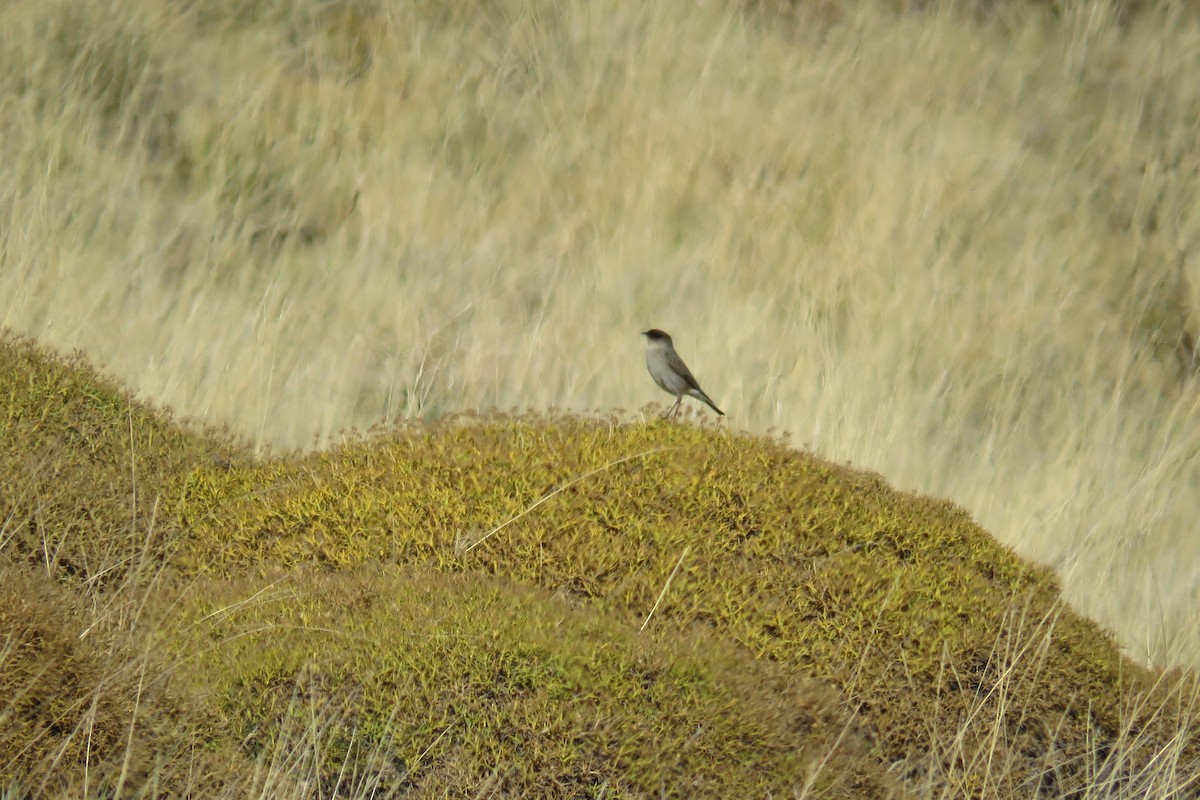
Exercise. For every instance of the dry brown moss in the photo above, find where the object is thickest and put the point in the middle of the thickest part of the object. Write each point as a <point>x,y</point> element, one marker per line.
<point>959,655</point>
<point>85,713</point>
<point>51,677</point>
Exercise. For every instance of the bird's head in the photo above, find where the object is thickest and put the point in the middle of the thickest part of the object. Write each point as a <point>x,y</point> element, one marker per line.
<point>655,335</point>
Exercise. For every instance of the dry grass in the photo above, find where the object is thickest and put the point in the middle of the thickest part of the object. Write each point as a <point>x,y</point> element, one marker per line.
<point>929,243</point>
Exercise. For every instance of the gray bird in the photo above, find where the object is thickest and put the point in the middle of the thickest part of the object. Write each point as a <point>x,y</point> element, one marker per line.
<point>669,371</point>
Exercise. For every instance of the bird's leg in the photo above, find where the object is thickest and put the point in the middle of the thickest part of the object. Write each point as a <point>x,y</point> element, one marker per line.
<point>675,408</point>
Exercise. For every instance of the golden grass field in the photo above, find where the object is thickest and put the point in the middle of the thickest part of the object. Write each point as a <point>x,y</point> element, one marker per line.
<point>937,247</point>
<point>952,243</point>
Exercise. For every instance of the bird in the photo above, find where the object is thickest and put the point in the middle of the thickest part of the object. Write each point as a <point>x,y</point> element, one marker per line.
<point>670,373</point>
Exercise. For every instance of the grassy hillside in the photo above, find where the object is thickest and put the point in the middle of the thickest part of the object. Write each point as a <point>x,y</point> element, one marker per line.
<point>547,605</point>
<point>952,243</point>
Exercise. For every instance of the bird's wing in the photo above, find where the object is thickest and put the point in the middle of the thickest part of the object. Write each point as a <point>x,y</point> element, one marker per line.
<point>676,363</point>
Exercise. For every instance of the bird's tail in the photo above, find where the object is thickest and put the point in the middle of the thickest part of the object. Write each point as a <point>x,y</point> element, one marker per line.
<point>699,395</point>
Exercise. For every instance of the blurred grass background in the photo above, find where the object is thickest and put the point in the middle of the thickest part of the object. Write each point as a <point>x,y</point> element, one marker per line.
<point>950,242</point>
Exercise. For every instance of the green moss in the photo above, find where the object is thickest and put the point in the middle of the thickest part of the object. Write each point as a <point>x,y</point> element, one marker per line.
<point>439,684</point>
<point>900,601</point>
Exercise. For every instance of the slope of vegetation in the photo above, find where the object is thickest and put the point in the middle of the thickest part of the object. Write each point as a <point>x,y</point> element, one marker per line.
<point>546,604</point>
<point>917,616</point>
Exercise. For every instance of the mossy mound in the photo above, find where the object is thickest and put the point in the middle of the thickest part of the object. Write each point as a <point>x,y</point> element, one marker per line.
<point>407,681</point>
<point>818,628</point>
<point>958,656</point>
<point>83,464</point>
